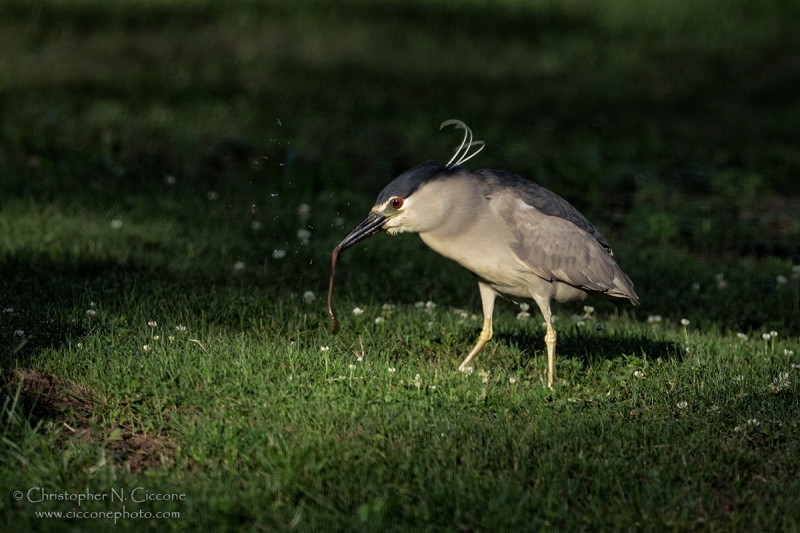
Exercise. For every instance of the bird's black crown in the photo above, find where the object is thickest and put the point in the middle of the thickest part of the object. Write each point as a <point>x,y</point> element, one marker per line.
<point>409,181</point>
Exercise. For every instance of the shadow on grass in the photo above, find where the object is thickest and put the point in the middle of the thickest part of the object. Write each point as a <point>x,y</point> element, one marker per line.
<point>47,303</point>
<point>592,346</point>
<point>44,301</point>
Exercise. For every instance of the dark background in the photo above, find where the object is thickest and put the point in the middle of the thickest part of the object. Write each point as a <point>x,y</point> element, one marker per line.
<point>673,126</point>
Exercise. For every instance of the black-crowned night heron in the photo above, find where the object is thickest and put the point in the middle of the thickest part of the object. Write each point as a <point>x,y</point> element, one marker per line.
<point>520,240</point>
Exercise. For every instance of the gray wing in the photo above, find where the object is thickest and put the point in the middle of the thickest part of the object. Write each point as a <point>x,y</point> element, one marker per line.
<point>538,197</point>
<point>557,249</point>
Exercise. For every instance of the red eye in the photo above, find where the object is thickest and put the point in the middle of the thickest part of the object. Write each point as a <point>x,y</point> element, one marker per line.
<point>396,203</point>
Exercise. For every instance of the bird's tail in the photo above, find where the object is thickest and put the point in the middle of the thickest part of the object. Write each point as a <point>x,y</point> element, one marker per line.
<point>621,291</point>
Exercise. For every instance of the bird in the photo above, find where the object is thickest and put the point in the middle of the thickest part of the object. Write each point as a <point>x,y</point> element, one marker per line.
<point>521,241</point>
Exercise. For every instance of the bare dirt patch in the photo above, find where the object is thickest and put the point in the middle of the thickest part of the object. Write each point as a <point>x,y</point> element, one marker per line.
<point>47,397</point>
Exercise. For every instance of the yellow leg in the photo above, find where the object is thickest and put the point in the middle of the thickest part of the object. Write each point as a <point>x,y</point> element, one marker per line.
<point>487,299</point>
<point>549,339</point>
<point>485,337</point>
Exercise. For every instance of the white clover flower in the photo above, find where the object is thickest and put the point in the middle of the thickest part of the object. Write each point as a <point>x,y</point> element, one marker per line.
<point>468,370</point>
<point>753,422</point>
<point>788,352</point>
<point>19,333</point>
<point>522,315</point>
<point>766,336</point>
<point>580,323</point>
<point>169,179</point>
<point>392,370</point>
<point>773,334</point>
<point>512,380</point>
<point>357,311</point>
<point>256,225</point>
<point>304,235</point>
<point>795,366</point>
<point>430,305</point>
<point>639,374</point>
<point>419,304</point>
<point>116,223</point>
<point>779,383</point>
<point>324,348</point>
<point>379,320</point>
<point>309,297</point>
<point>722,284</point>
<point>684,322</point>
<point>303,211</point>
<point>91,312</point>
<point>212,195</point>
<point>146,347</point>
<point>464,314</point>
<point>654,319</point>
<point>695,287</point>
<point>588,309</point>
<point>156,337</point>
<point>278,254</point>
<point>682,405</point>
<point>719,277</point>
<point>238,265</point>
<point>180,328</point>
<point>351,366</point>
<point>8,310</point>
<point>484,374</point>
<point>742,336</point>
<point>171,338</point>
<point>388,307</point>
<point>417,381</point>
<point>781,280</point>
<point>524,307</point>
<point>152,323</point>
<point>360,358</point>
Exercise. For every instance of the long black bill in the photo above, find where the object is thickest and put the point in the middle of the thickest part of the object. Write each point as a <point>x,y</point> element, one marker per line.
<point>367,228</point>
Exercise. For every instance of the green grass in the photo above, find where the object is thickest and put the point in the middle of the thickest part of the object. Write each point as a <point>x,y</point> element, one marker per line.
<point>259,427</point>
<point>153,156</point>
